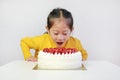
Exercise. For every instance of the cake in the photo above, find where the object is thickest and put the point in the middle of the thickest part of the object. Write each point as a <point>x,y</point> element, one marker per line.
<point>59,58</point>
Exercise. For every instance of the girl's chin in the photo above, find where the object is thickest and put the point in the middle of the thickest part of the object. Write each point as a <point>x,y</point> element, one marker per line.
<point>59,45</point>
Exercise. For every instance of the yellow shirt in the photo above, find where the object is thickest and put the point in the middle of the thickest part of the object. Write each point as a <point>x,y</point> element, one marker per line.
<point>45,41</point>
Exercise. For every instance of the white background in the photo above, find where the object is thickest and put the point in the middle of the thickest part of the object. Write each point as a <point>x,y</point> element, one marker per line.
<point>96,23</point>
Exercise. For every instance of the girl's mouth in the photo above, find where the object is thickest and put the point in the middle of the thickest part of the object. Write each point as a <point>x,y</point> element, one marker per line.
<point>59,43</point>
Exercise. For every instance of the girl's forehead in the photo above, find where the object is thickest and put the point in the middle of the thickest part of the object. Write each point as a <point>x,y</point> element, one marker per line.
<point>60,30</point>
<point>60,26</point>
<point>60,20</point>
<point>57,20</point>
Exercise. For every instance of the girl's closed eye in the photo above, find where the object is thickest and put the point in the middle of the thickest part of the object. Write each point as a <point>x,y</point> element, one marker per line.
<point>55,33</point>
<point>65,34</point>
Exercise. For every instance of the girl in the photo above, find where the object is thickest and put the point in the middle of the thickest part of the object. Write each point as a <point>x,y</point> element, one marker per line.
<point>59,28</point>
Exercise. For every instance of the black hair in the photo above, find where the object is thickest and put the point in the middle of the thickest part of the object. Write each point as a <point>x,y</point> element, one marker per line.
<point>56,13</point>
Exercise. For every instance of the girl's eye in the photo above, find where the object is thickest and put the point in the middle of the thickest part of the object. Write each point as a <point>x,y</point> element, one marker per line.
<point>64,33</point>
<point>55,33</point>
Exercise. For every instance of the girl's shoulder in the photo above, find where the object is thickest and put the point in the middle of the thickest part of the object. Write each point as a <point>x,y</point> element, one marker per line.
<point>43,36</point>
<point>74,39</point>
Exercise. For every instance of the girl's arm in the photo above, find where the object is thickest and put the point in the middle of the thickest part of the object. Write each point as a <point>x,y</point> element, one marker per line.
<point>27,44</point>
<point>82,50</point>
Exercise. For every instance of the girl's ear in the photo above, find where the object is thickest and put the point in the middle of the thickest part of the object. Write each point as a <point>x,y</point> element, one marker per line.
<point>47,28</point>
<point>72,29</point>
<point>48,31</point>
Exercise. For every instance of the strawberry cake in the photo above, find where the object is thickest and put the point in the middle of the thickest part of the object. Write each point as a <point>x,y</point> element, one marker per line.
<point>59,58</point>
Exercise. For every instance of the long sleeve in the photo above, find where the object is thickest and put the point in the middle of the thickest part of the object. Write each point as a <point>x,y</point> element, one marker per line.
<point>82,50</point>
<point>27,44</point>
<point>37,43</point>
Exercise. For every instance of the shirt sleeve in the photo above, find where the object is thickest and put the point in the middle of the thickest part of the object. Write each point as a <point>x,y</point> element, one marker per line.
<point>26,44</point>
<point>82,50</point>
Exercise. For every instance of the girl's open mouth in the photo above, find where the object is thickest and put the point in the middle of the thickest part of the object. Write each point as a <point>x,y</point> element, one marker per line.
<point>59,43</point>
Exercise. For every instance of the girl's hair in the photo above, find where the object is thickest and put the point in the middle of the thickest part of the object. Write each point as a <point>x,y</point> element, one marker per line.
<point>58,13</point>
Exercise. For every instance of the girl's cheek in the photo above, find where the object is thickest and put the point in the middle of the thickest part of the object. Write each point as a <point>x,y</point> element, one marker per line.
<point>55,37</point>
<point>66,38</point>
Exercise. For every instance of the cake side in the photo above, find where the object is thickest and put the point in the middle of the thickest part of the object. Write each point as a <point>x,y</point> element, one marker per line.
<point>61,60</point>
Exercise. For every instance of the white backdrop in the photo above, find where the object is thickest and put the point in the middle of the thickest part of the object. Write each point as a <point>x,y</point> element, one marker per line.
<point>96,23</point>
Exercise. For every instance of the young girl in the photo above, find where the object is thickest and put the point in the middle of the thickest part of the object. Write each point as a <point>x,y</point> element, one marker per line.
<point>59,28</point>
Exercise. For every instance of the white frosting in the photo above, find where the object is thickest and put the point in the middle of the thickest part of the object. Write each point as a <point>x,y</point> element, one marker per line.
<point>59,61</point>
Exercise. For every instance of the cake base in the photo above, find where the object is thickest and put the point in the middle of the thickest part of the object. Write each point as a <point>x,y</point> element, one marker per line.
<point>36,67</point>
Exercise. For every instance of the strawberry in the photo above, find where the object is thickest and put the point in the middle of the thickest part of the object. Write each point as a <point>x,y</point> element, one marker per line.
<point>68,50</point>
<point>64,52</point>
<point>45,50</point>
<point>72,50</point>
<point>50,50</point>
<point>53,51</point>
<point>59,50</point>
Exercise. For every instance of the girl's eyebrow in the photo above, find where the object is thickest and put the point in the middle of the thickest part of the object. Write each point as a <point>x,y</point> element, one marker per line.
<point>55,30</point>
<point>65,31</point>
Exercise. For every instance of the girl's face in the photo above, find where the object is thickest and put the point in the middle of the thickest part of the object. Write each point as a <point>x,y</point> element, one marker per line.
<point>60,32</point>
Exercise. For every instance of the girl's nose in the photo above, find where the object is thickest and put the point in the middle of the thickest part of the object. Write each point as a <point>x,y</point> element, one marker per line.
<point>60,37</point>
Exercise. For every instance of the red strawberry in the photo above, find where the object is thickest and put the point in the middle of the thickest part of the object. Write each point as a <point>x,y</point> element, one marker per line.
<point>59,51</point>
<point>76,50</point>
<point>64,52</point>
<point>53,51</point>
<point>71,51</point>
<point>68,50</point>
<point>50,50</point>
<point>45,50</point>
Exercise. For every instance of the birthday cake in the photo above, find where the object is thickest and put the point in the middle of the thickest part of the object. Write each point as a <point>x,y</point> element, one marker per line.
<point>59,58</point>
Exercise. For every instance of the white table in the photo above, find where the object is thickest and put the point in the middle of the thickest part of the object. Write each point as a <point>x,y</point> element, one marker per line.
<point>96,70</point>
